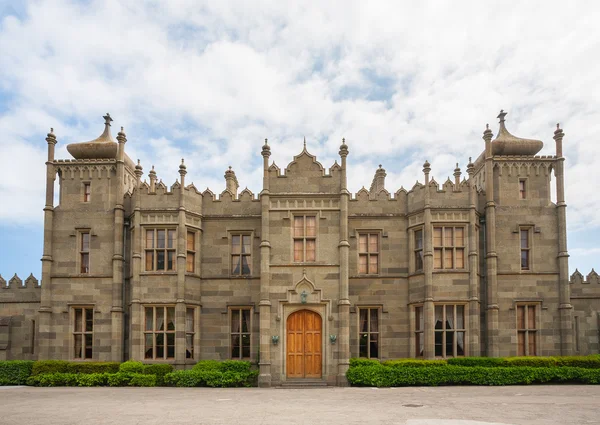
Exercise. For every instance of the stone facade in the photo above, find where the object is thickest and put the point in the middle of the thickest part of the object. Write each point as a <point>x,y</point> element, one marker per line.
<point>134,269</point>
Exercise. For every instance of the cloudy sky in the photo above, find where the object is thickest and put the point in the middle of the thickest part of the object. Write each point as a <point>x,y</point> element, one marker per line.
<point>209,81</point>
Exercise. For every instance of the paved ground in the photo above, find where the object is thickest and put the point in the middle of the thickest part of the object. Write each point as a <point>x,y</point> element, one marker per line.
<point>564,404</point>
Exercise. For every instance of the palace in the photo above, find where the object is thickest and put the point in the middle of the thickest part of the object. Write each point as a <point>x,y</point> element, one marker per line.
<point>305,275</point>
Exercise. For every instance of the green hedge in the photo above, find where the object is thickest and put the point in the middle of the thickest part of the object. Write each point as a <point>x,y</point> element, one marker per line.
<point>119,379</point>
<point>223,366</point>
<point>414,363</point>
<point>62,366</point>
<point>15,372</point>
<point>590,362</point>
<point>384,376</point>
<point>159,370</point>
<point>211,378</point>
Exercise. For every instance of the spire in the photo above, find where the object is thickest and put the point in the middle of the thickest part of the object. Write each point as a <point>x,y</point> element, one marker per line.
<point>558,137</point>
<point>343,148</point>
<point>457,175</point>
<point>266,149</point>
<point>138,169</point>
<point>426,170</point>
<point>470,168</point>
<point>182,168</point>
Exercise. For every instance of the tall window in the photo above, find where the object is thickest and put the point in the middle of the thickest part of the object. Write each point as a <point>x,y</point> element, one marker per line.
<point>448,247</point>
<point>84,253</point>
<point>159,333</point>
<point>369,332</point>
<point>368,253</point>
<point>160,249</point>
<point>526,330</point>
<point>419,327</point>
<point>522,189</point>
<point>87,192</point>
<point>305,238</point>
<point>525,248</point>
<point>418,250</point>
<point>83,332</point>
<point>241,246</point>
<point>240,333</point>
<point>189,333</point>
<point>449,330</point>
<point>190,259</point>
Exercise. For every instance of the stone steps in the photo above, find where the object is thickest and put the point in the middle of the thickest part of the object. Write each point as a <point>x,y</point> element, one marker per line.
<point>304,383</point>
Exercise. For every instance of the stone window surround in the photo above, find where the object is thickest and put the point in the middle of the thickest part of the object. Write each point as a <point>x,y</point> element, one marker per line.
<point>230,308</point>
<point>454,247</point>
<point>82,332</point>
<point>416,330</point>
<point>537,305</point>
<point>368,231</point>
<point>192,251</point>
<point>525,191</point>
<point>240,232</point>
<point>530,229</point>
<point>190,331</point>
<point>86,184</point>
<point>369,307</point>
<point>154,331</point>
<point>79,232</point>
<point>316,215</point>
<point>414,249</point>
<point>454,329</point>
<point>166,228</point>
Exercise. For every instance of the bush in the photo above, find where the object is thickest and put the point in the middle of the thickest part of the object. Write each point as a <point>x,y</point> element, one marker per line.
<point>15,372</point>
<point>62,366</point>
<point>414,363</point>
<point>92,379</point>
<point>223,366</point>
<point>363,362</point>
<point>382,376</point>
<point>139,380</point>
<point>56,379</point>
<point>476,361</point>
<point>132,367</point>
<point>158,370</point>
<point>590,362</point>
<point>210,378</point>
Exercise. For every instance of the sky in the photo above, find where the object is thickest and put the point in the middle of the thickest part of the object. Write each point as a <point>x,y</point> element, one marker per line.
<point>403,82</point>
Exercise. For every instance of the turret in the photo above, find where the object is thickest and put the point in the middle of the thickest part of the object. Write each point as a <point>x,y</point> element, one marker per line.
<point>378,181</point>
<point>231,182</point>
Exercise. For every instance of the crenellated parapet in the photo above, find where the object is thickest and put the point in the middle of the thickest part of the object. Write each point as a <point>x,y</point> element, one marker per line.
<point>17,290</point>
<point>591,279</point>
<point>585,287</point>
<point>228,204</point>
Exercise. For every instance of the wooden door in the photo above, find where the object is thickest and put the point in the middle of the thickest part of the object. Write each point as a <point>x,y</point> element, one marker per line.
<point>304,345</point>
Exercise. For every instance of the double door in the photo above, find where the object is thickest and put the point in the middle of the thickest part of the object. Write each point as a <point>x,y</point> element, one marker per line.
<point>304,345</point>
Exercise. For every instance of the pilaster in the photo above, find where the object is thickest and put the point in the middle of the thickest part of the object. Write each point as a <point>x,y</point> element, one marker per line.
<point>181,267</point>
<point>343,344</point>
<point>428,305</point>
<point>136,319</point>
<point>474,303</point>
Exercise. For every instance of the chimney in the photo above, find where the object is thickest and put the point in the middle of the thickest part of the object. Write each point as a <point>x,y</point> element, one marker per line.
<point>231,183</point>
<point>378,181</point>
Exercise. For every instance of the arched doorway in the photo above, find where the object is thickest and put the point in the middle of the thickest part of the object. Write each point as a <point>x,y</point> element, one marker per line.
<point>304,345</point>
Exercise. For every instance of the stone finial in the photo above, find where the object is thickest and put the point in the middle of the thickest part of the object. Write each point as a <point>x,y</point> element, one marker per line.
<point>378,182</point>
<point>50,137</point>
<point>501,116</point>
<point>152,175</point>
<point>15,281</point>
<point>426,170</point>
<point>558,138</point>
<point>182,167</point>
<point>304,142</point>
<point>138,169</point>
<point>31,281</point>
<point>470,168</point>
<point>266,150</point>
<point>457,175</point>
<point>231,182</point>
<point>487,134</point>
<point>121,136</point>
<point>343,148</point>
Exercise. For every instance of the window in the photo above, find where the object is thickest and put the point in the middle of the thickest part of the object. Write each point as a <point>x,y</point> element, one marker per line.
<point>305,238</point>
<point>448,247</point>
<point>419,326</point>
<point>190,259</point>
<point>189,333</point>
<point>368,345</point>
<point>241,246</point>
<point>84,253</point>
<point>240,333</point>
<point>526,330</point>
<point>83,328</point>
<point>418,250</point>
<point>525,248</point>
<point>368,253</point>
<point>449,330</point>
<point>87,192</point>
<point>522,189</point>
<point>159,333</point>
<point>160,249</point>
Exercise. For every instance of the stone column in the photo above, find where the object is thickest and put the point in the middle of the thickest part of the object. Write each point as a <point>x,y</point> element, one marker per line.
<point>264,305</point>
<point>456,177</point>
<point>565,307</point>
<point>181,266</point>
<point>116,311</point>
<point>136,334</point>
<point>231,182</point>
<point>343,343</point>
<point>493,350</point>
<point>428,305</point>
<point>45,325</point>
<point>474,332</point>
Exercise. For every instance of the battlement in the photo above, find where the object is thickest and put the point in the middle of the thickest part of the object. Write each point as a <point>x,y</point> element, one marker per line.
<point>17,290</point>
<point>578,279</point>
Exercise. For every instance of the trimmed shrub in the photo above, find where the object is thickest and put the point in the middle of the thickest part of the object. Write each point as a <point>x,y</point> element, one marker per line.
<point>235,366</point>
<point>414,363</point>
<point>139,380</point>
<point>158,370</point>
<point>15,372</point>
<point>476,361</point>
<point>42,367</point>
<point>356,362</point>
<point>56,379</point>
<point>591,362</point>
<point>210,378</point>
<point>62,366</point>
<point>382,376</point>
<point>132,367</point>
<point>92,379</point>
<point>208,365</point>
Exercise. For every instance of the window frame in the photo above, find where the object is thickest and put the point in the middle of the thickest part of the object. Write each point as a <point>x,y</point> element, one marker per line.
<point>369,332</point>
<point>154,332</point>
<point>241,234</point>
<point>84,253</point>
<point>86,192</point>
<point>528,249</point>
<point>417,250</point>
<point>190,332</point>
<point>527,331</point>
<point>190,252</point>
<point>523,190</point>
<point>155,249</point>
<point>444,249</point>
<point>240,333</point>
<point>368,254</point>
<point>419,315</point>
<point>82,332</point>
<point>305,237</point>
<point>444,332</point>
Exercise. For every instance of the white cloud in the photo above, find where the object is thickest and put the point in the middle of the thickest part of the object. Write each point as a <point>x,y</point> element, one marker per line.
<point>210,80</point>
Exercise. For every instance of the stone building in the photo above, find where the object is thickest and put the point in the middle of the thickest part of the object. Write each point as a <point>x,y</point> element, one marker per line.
<point>305,275</point>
